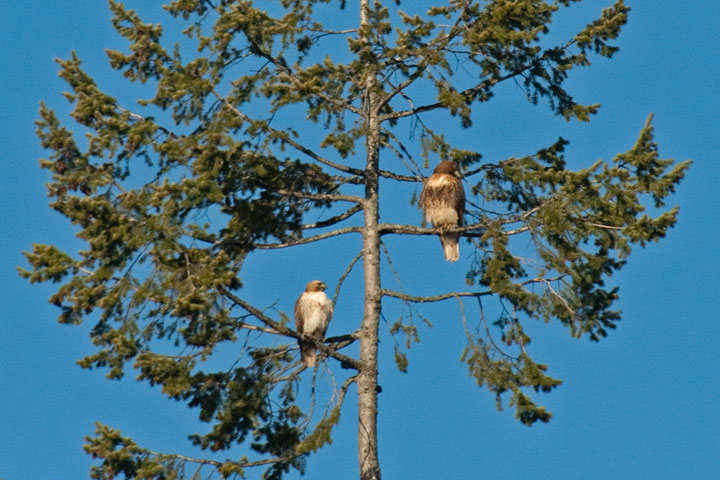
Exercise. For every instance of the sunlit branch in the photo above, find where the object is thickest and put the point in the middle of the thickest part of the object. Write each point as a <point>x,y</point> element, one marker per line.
<point>465,231</point>
<point>302,241</point>
<point>333,220</point>
<point>515,231</point>
<point>321,33</point>
<point>434,298</point>
<point>332,32</point>
<point>248,326</point>
<point>400,177</point>
<point>321,196</point>
<point>283,330</point>
<point>557,295</point>
<point>605,227</point>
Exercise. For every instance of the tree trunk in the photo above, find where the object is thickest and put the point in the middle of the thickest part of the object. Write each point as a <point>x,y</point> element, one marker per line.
<point>368,375</point>
<point>367,378</point>
<point>367,381</point>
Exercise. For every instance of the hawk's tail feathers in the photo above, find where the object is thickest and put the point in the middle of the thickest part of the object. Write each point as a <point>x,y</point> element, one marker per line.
<point>308,354</point>
<point>451,246</point>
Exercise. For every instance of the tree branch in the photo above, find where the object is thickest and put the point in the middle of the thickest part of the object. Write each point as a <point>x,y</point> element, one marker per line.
<point>345,274</point>
<point>333,220</point>
<point>283,330</point>
<point>400,177</point>
<point>467,93</point>
<point>488,334</point>
<point>465,231</point>
<point>218,464</point>
<point>256,328</point>
<point>341,341</point>
<point>302,241</point>
<point>348,337</point>
<point>332,32</point>
<point>556,294</point>
<point>414,168</point>
<point>435,298</point>
<point>321,196</point>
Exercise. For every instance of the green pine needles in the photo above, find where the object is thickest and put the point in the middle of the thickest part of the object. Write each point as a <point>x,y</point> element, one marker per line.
<point>270,125</point>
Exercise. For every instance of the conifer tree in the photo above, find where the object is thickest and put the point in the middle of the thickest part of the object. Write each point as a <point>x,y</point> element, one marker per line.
<point>172,194</point>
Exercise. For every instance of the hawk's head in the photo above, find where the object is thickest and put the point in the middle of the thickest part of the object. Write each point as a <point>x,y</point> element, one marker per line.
<point>315,286</point>
<point>448,167</point>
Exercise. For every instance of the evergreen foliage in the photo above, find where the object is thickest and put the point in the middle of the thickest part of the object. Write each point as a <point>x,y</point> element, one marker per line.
<point>165,290</point>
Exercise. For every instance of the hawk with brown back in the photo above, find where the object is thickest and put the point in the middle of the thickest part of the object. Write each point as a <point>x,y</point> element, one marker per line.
<point>443,203</point>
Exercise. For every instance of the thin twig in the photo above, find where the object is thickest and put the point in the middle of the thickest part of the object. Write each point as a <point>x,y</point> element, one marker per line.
<point>489,335</point>
<point>467,93</point>
<point>345,274</point>
<point>390,264</point>
<point>285,137</point>
<point>557,295</point>
<point>302,241</point>
<point>333,220</point>
<point>414,168</point>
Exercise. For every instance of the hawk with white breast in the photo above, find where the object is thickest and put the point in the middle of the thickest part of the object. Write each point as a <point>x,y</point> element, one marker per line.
<point>313,311</point>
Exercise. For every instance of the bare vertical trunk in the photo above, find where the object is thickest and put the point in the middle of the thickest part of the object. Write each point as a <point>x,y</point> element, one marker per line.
<point>367,381</point>
<point>368,376</point>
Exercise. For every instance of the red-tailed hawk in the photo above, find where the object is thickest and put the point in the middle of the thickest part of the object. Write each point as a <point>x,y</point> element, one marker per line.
<point>443,203</point>
<point>313,311</point>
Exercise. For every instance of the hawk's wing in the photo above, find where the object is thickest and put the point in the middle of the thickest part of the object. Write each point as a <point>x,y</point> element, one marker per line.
<point>299,314</point>
<point>443,190</point>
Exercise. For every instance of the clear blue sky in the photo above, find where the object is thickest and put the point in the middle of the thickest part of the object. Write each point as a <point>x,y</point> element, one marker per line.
<point>643,403</point>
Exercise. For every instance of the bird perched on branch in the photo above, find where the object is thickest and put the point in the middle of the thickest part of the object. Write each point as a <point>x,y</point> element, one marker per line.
<point>313,311</point>
<point>443,203</point>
